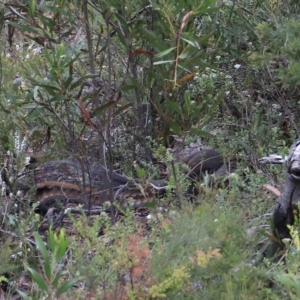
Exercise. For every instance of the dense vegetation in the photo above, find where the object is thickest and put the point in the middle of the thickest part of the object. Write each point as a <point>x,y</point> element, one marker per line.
<point>116,81</point>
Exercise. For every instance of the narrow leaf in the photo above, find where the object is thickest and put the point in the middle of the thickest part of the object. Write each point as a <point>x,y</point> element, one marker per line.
<point>7,111</point>
<point>37,278</point>
<point>65,287</point>
<point>81,80</point>
<point>165,52</point>
<point>41,246</point>
<point>31,7</point>
<point>245,146</point>
<point>68,82</point>
<point>122,38</point>
<point>49,85</point>
<point>103,107</point>
<point>269,235</point>
<point>23,27</point>
<point>121,109</point>
<point>57,277</point>
<point>71,62</point>
<point>163,62</point>
<point>184,55</point>
<point>207,3</point>
<point>150,204</point>
<point>31,105</point>
<point>62,248</point>
<point>194,44</point>
<point>175,127</point>
<point>23,295</point>
<point>175,107</point>
<point>200,132</point>
<point>124,24</point>
<point>129,87</point>
<point>258,122</point>
<point>208,10</point>
<point>18,14</point>
<point>154,40</point>
<point>51,240</point>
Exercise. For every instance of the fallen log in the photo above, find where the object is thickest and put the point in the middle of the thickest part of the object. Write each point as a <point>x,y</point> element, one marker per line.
<point>64,182</point>
<point>58,183</point>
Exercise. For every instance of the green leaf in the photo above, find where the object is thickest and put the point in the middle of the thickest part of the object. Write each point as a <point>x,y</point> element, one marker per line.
<point>194,44</point>
<point>23,295</point>
<point>208,10</point>
<point>99,111</point>
<point>245,146</point>
<point>81,80</point>
<point>24,27</point>
<point>200,132</point>
<point>67,82</point>
<point>35,69</point>
<point>291,282</point>
<point>48,269</point>
<point>165,52</point>
<point>52,240</point>
<point>124,24</point>
<point>207,3</point>
<point>42,248</point>
<point>175,107</point>
<point>258,122</point>
<point>61,250</point>
<point>58,98</point>
<point>184,55</point>
<point>65,287</point>
<point>129,87</point>
<point>175,127</point>
<point>140,172</point>
<point>49,85</point>
<point>154,40</point>
<point>162,62</point>
<point>31,7</point>
<point>57,277</point>
<point>18,14</point>
<point>198,60</point>
<point>37,278</point>
<point>118,111</point>
<point>60,51</point>
<point>71,62</point>
<point>7,111</point>
<point>272,225</point>
<point>150,204</point>
<point>122,38</point>
<point>31,105</point>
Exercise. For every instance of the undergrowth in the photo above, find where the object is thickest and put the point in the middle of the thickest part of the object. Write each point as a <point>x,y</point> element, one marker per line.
<point>199,252</point>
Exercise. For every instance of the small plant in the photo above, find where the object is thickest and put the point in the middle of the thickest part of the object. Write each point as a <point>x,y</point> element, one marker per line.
<point>175,282</point>
<point>50,281</point>
<point>288,276</point>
